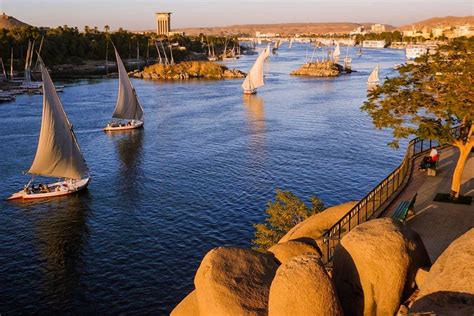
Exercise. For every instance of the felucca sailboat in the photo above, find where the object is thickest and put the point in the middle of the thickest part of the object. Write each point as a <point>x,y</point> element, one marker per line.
<point>337,52</point>
<point>374,76</point>
<point>58,154</point>
<point>128,106</point>
<point>254,78</point>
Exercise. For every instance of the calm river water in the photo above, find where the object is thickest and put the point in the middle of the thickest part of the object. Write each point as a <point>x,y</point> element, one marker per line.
<point>198,176</point>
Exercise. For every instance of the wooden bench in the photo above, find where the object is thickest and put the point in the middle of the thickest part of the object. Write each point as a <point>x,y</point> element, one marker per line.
<point>403,208</point>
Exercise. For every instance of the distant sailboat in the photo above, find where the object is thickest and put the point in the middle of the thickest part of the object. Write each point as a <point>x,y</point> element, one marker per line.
<point>347,61</point>
<point>128,106</point>
<point>291,43</point>
<point>374,76</point>
<point>58,154</point>
<point>254,78</point>
<point>266,52</point>
<point>27,84</point>
<point>337,52</point>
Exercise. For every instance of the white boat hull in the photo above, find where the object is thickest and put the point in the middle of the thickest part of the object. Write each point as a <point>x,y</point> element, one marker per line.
<point>253,91</point>
<point>123,127</point>
<point>56,189</point>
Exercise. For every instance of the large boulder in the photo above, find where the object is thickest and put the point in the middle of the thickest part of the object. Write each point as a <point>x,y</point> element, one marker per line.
<point>375,266</point>
<point>302,287</point>
<point>187,307</point>
<point>316,225</point>
<point>234,281</point>
<point>287,250</point>
<point>448,289</point>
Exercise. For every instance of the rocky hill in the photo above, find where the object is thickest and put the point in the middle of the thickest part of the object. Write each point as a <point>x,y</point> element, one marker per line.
<point>9,22</point>
<point>282,29</point>
<point>187,70</point>
<point>439,21</point>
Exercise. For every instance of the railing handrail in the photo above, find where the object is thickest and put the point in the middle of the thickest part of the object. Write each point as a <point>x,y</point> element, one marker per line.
<point>411,152</point>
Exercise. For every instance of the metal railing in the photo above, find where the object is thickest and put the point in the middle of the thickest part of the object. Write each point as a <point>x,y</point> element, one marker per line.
<point>369,204</point>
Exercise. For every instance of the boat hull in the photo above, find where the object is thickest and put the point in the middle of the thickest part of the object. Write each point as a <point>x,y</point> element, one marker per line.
<point>135,125</point>
<point>56,189</point>
<point>250,92</point>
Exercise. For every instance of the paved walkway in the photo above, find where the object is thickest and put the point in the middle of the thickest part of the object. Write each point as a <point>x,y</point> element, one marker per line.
<point>438,223</point>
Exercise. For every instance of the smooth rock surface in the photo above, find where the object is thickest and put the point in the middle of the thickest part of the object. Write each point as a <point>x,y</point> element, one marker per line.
<point>315,226</point>
<point>302,287</point>
<point>375,266</point>
<point>187,307</point>
<point>319,69</point>
<point>287,250</point>
<point>234,281</point>
<point>449,286</point>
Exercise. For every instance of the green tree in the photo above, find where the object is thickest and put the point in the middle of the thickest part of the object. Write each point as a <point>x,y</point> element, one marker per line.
<point>283,214</point>
<point>428,99</point>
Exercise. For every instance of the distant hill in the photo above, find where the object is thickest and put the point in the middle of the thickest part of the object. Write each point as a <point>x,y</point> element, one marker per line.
<point>439,21</point>
<point>282,29</point>
<point>9,22</point>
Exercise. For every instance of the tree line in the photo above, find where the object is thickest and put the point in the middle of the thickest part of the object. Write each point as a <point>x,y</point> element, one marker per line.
<point>69,45</point>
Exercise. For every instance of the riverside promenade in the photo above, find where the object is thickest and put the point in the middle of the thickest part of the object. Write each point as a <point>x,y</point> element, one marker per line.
<point>438,223</point>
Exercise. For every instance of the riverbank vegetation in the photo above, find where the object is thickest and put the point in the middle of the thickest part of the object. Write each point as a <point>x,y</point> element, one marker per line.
<point>69,45</point>
<point>429,99</point>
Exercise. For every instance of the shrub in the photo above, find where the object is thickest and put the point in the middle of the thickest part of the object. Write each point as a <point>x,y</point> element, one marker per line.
<point>283,214</point>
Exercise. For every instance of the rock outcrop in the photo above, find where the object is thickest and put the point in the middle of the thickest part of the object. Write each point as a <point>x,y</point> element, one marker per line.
<point>302,287</point>
<point>375,266</point>
<point>287,250</point>
<point>234,281</point>
<point>448,288</point>
<point>187,307</point>
<point>187,70</point>
<point>315,226</point>
<point>319,69</point>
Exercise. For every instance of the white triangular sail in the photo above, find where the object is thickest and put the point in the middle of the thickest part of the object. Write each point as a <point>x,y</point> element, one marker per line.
<point>254,78</point>
<point>374,75</point>
<point>266,52</point>
<point>127,106</point>
<point>337,51</point>
<point>58,154</point>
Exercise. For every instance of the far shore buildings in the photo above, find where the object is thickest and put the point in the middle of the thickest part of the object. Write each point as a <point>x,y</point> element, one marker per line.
<point>377,28</point>
<point>441,30</point>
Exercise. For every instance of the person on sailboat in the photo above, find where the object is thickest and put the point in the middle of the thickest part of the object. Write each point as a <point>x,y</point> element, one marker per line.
<point>58,154</point>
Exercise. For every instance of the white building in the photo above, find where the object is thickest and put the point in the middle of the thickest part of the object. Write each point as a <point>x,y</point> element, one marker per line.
<point>415,51</point>
<point>377,28</point>
<point>373,44</point>
<point>359,30</point>
<point>437,31</point>
<point>465,30</point>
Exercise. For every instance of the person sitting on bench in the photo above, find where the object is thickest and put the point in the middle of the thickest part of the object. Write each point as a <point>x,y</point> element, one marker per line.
<point>430,161</point>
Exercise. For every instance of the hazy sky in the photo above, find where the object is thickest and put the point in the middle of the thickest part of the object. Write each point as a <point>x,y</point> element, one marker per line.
<point>139,14</point>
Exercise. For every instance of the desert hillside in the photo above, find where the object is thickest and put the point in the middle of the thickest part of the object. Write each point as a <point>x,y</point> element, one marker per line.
<point>9,22</point>
<point>439,21</point>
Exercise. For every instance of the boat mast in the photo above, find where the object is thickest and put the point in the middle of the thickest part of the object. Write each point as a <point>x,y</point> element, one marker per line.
<point>160,60</point>
<point>11,65</point>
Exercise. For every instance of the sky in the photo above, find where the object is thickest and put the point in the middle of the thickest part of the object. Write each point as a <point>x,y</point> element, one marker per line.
<point>139,14</point>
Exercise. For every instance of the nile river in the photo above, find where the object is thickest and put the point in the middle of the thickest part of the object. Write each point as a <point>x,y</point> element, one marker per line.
<point>197,176</point>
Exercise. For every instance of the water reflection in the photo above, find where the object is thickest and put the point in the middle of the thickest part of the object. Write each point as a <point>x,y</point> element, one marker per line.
<point>129,147</point>
<point>62,234</point>
<point>256,119</point>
